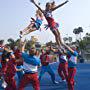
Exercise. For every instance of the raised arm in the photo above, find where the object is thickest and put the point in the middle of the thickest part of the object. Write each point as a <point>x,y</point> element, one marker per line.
<point>59,5</point>
<point>66,46</point>
<point>54,50</point>
<point>36,5</point>
<point>22,46</point>
<point>62,50</point>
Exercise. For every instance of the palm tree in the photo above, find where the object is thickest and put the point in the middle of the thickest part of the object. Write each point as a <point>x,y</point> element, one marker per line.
<point>65,39</point>
<point>78,31</point>
<point>70,39</point>
<point>87,38</point>
<point>88,34</point>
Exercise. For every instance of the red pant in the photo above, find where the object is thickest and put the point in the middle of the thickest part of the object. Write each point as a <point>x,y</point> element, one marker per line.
<point>71,74</point>
<point>30,78</point>
<point>63,70</point>
<point>11,83</point>
<point>4,67</point>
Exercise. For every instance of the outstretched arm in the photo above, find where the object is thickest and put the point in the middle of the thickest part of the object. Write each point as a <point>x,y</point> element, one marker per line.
<point>66,46</point>
<point>22,45</point>
<point>36,5</point>
<point>59,5</point>
<point>33,19</point>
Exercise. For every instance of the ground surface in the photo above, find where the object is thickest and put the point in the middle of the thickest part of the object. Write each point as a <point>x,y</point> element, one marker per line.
<point>82,79</point>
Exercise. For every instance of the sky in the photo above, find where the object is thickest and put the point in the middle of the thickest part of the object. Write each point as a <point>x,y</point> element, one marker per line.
<point>15,16</point>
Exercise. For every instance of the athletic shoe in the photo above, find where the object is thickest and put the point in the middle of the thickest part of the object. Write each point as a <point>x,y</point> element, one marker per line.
<point>55,82</point>
<point>4,84</point>
<point>62,81</point>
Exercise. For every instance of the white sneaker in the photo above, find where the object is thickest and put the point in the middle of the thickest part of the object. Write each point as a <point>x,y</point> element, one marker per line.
<point>4,84</point>
<point>20,36</point>
<point>55,82</point>
<point>62,81</point>
<point>75,83</point>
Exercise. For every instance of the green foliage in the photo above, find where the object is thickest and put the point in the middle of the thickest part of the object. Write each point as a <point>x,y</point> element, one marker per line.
<point>85,41</point>
<point>69,39</point>
<point>78,30</point>
<point>12,43</point>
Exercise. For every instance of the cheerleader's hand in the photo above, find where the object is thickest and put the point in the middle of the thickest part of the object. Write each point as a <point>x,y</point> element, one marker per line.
<point>21,32</point>
<point>32,1</point>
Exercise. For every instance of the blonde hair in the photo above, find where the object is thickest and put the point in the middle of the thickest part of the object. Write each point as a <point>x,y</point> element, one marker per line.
<point>39,13</point>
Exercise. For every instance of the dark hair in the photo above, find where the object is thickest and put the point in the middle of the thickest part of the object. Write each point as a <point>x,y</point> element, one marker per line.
<point>1,41</point>
<point>47,51</point>
<point>5,55</point>
<point>31,51</point>
<point>53,4</point>
<point>32,48</point>
<point>47,4</point>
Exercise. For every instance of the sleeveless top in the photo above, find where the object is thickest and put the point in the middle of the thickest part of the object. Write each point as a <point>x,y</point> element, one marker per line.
<point>49,17</point>
<point>39,21</point>
<point>48,14</point>
<point>72,59</point>
<point>62,58</point>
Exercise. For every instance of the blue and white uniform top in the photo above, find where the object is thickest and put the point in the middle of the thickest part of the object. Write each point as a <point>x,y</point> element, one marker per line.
<point>62,58</point>
<point>38,22</point>
<point>31,63</point>
<point>72,59</point>
<point>48,14</point>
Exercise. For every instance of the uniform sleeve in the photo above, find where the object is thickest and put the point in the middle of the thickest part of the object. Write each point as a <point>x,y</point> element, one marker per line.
<point>75,53</point>
<point>32,60</point>
<point>68,52</point>
<point>37,61</point>
<point>24,55</point>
